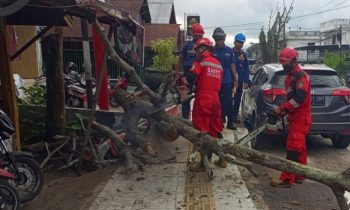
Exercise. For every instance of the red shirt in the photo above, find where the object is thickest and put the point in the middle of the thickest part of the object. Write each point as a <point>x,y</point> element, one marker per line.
<point>298,89</point>
<point>209,73</point>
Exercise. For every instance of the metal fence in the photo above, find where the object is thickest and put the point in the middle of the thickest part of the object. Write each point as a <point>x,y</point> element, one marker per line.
<point>76,56</point>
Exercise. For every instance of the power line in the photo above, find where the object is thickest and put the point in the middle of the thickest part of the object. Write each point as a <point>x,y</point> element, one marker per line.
<point>339,4</point>
<point>324,5</point>
<point>242,24</point>
<point>321,12</point>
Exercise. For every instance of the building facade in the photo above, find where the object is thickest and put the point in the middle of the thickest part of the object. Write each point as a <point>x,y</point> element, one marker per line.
<point>334,29</point>
<point>303,38</point>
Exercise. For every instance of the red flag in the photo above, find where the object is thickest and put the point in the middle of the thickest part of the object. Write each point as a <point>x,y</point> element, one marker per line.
<point>99,50</point>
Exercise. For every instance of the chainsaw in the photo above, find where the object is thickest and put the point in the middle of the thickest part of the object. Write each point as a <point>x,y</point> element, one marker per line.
<point>273,122</point>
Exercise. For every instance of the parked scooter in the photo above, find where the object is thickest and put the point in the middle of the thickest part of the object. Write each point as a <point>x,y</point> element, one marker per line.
<point>75,87</point>
<point>9,197</point>
<point>28,176</point>
<point>76,94</point>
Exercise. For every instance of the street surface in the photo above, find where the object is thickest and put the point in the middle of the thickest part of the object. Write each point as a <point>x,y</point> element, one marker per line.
<point>172,186</point>
<point>309,195</point>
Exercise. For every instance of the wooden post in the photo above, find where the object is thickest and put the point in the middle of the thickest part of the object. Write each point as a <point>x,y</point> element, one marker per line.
<point>7,90</point>
<point>87,60</point>
<point>55,106</point>
<point>94,104</point>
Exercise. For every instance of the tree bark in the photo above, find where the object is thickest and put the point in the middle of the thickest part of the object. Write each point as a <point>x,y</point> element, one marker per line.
<point>55,95</point>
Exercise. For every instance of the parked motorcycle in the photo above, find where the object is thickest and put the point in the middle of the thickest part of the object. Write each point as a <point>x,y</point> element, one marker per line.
<point>28,176</point>
<point>9,197</point>
<point>75,87</point>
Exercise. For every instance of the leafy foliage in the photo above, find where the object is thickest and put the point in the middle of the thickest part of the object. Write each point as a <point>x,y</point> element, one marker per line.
<point>165,58</point>
<point>76,125</point>
<point>36,95</point>
<point>340,64</point>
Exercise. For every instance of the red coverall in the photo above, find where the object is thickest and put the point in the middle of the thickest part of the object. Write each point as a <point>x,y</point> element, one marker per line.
<point>298,108</point>
<point>206,115</point>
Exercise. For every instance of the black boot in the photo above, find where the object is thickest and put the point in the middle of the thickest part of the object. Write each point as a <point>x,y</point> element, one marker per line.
<point>220,136</point>
<point>230,126</point>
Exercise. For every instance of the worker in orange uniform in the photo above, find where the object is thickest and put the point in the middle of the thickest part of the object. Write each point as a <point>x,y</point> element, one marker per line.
<point>207,73</point>
<point>298,109</point>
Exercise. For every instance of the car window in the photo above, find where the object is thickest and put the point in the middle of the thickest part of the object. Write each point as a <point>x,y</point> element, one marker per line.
<point>260,77</point>
<point>256,77</point>
<point>324,78</point>
<point>319,78</point>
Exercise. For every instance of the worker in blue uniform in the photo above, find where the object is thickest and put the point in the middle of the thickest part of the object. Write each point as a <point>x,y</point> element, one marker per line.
<point>242,68</point>
<point>230,78</point>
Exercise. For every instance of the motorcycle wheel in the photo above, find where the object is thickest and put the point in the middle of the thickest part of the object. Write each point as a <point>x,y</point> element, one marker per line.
<point>31,179</point>
<point>9,197</point>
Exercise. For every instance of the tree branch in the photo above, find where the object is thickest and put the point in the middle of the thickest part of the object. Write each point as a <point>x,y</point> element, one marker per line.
<point>155,98</point>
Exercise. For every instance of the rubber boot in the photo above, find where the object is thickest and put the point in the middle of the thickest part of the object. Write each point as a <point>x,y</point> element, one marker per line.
<point>221,163</point>
<point>280,184</point>
<point>197,166</point>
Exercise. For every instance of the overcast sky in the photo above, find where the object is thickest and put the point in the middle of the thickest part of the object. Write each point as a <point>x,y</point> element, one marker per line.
<point>248,16</point>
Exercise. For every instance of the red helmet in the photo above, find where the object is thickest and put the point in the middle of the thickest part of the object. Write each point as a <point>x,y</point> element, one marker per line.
<point>203,41</point>
<point>287,55</point>
<point>197,29</point>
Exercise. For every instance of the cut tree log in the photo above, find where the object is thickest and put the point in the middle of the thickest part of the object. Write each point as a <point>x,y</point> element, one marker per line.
<point>337,182</point>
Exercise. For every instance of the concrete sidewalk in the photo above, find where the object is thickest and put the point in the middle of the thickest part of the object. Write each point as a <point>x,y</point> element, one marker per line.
<point>172,186</point>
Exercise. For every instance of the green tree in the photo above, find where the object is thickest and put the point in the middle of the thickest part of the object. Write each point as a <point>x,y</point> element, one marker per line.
<point>165,58</point>
<point>340,64</point>
<point>263,47</point>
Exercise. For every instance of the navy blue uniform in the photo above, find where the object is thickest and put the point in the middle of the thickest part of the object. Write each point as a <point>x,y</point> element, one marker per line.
<point>225,56</point>
<point>242,68</point>
<point>188,55</point>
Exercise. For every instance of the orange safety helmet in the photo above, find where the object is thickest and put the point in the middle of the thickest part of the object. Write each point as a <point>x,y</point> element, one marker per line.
<point>197,29</point>
<point>203,41</point>
<point>287,55</point>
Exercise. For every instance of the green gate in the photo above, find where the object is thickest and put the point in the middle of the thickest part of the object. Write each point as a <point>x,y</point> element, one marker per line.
<point>76,56</point>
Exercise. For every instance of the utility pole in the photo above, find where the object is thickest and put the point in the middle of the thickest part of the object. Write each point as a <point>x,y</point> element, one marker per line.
<point>339,38</point>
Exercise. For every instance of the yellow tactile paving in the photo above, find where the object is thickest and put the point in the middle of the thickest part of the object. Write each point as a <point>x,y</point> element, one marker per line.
<point>198,191</point>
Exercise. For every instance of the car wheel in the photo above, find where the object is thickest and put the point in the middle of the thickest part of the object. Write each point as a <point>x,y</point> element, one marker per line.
<point>340,141</point>
<point>260,141</point>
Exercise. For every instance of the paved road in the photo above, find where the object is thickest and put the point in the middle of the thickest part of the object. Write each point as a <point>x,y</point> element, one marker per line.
<point>310,195</point>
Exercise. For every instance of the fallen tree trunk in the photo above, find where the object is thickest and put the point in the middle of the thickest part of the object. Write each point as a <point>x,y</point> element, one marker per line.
<point>337,182</point>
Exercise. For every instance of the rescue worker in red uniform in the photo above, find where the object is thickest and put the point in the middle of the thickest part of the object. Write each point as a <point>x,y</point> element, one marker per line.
<point>186,58</point>
<point>298,109</point>
<point>207,73</point>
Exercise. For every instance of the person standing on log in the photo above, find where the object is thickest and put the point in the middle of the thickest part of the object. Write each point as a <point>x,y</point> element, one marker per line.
<point>207,74</point>
<point>298,108</point>
<point>186,58</point>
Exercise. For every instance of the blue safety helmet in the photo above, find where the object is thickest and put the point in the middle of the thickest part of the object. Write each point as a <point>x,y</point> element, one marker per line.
<point>240,37</point>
